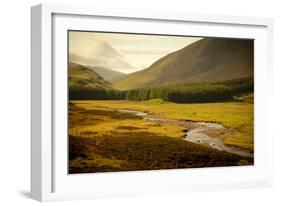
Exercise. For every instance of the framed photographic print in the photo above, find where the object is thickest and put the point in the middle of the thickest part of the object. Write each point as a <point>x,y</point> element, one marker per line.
<point>135,102</point>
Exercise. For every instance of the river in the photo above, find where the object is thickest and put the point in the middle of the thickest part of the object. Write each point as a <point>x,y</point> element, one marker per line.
<point>195,132</point>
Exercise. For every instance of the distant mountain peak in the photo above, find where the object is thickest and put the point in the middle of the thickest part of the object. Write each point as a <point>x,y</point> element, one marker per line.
<point>101,48</point>
<point>106,73</point>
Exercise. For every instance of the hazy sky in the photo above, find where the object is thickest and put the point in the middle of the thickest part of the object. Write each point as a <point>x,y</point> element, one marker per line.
<point>122,52</point>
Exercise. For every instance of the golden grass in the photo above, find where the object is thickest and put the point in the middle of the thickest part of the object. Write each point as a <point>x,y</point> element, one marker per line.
<point>102,139</point>
<point>106,121</point>
<point>236,115</point>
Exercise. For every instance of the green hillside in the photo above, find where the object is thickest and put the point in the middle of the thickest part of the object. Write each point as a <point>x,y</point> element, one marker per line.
<point>82,77</point>
<point>207,60</point>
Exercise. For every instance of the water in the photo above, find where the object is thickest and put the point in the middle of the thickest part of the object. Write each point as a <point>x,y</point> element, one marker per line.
<point>129,111</point>
<point>195,135</point>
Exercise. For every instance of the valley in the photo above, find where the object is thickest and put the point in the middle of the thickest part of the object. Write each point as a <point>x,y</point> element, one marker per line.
<point>191,108</point>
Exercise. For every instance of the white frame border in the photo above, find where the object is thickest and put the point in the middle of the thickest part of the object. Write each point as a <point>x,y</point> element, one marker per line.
<point>42,84</point>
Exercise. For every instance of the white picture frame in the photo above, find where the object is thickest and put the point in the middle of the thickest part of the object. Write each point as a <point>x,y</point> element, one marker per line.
<point>49,178</point>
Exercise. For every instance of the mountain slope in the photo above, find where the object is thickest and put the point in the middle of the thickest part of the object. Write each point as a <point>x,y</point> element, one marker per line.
<point>82,77</point>
<point>209,59</point>
<point>105,73</point>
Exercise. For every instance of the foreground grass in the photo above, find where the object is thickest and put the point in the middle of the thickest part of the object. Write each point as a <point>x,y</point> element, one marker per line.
<point>102,140</point>
<point>236,115</point>
<point>143,151</point>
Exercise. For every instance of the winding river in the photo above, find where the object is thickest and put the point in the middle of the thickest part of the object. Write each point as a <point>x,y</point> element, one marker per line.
<point>195,132</point>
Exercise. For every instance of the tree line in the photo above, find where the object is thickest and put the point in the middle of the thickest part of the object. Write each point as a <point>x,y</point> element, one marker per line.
<point>183,93</point>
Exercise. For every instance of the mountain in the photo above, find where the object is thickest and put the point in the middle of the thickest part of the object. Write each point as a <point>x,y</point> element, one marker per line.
<point>82,77</point>
<point>105,73</point>
<point>97,52</point>
<point>207,60</point>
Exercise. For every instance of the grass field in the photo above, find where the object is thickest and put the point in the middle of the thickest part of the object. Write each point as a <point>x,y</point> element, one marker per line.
<point>104,139</point>
<point>236,115</point>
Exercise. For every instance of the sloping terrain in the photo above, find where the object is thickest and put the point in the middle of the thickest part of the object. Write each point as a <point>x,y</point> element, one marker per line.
<point>82,77</point>
<point>105,73</point>
<point>207,60</point>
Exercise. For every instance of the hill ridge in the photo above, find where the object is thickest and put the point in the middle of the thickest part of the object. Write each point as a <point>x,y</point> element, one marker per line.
<point>83,77</point>
<point>206,60</point>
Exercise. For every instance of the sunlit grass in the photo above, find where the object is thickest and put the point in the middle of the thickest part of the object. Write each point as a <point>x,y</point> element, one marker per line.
<point>103,139</point>
<point>115,126</point>
<point>236,115</point>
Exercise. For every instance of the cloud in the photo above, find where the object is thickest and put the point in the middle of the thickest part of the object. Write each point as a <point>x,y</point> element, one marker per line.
<point>123,52</point>
<point>97,52</point>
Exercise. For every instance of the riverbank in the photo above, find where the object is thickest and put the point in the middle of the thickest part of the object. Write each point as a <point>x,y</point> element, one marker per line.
<point>198,132</point>
<point>237,117</point>
<point>104,138</point>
